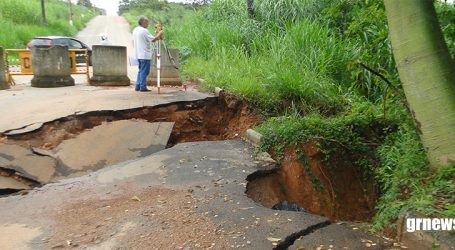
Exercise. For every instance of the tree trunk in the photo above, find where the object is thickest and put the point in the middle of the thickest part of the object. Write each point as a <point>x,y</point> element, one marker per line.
<point>43,13</point>
<point>70,14</point>
<point>427,73</point>
<point>250,8</point>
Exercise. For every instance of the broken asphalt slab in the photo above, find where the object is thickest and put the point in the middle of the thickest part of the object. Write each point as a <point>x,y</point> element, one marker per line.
<point>187,196</point>
<point>25,162</point>
<point>103,145</point>
<point>111,143</point>
<point>27,108</point>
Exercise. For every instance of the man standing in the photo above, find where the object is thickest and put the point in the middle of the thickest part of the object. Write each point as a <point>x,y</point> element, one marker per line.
<point>143,51</point>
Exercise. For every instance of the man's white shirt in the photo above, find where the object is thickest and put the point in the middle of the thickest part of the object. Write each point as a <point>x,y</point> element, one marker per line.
<point>141,41</point>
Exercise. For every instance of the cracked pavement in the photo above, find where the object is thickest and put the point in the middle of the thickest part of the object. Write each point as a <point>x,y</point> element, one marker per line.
<point>190,188</point>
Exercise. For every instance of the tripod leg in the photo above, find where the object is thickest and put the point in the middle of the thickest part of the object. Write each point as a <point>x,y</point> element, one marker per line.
<point>170,56</point>
<point>158,67</point>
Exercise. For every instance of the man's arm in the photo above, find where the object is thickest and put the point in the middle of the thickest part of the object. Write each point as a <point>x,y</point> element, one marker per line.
<point>151,38</point>
<point>158,36</point>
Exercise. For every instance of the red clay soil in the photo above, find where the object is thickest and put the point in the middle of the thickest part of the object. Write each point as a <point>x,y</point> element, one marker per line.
<point>332,188</point>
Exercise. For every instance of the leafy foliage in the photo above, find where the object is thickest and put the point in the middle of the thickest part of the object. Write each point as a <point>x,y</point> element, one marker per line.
<point>408,183</point>
<point>128,5</point>
<point>446,15</point>
<point>20,20</point>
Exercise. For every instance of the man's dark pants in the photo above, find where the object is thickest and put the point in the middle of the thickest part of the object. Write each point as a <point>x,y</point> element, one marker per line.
<point>144,70</point>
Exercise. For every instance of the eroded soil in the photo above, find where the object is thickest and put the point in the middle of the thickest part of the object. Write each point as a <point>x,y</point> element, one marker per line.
<point>214,118</point>
<point>335,188</point>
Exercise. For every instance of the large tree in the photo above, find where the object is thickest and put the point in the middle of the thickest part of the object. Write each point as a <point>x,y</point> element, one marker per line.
<point>427,73</point>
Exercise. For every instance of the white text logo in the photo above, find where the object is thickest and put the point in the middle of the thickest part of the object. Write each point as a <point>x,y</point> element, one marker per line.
<point>430,224</point>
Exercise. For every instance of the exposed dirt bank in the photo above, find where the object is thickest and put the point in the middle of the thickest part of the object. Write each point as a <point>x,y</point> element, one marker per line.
<point>333,187</point>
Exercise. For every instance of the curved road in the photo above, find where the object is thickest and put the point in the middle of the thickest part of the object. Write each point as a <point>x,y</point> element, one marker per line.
<point>118,31</point>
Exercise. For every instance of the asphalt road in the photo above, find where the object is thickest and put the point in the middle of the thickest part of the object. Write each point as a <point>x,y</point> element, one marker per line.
<point>118,31</point>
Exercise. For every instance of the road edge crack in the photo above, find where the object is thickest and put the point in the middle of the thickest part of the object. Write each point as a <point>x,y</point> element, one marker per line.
<point>290,239</point>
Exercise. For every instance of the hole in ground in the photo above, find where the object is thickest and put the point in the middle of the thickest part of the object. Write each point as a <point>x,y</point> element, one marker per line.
<point>334,187</point>
<point>214,118</point>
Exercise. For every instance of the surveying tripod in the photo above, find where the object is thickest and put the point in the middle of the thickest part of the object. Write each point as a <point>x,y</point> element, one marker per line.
<point>158,28</point>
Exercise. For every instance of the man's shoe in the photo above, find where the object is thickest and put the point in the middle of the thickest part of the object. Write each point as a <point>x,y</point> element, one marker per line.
<point>145,90</point>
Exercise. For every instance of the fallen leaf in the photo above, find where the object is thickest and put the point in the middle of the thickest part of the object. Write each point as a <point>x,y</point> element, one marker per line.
<point>135,198</point>
<point>273,239</point>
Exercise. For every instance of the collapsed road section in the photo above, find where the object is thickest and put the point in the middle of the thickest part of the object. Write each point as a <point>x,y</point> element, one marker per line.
<point>167,174</point>
<point>79,144</point>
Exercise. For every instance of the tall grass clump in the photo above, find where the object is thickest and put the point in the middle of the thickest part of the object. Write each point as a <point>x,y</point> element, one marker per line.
<point>298,61</point>
<point>20,20</point>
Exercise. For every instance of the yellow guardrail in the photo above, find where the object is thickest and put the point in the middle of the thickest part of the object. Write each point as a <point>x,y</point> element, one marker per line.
<point>24,64</point>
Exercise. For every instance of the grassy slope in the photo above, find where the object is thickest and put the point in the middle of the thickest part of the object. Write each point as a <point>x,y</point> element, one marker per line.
<point>20,20</point>
<point>297,62</point>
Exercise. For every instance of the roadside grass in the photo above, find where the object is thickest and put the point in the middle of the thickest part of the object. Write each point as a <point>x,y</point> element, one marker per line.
<point>296,62</point>
<point>407,181</point>
<point>304,65</point>
<point>20,20</point>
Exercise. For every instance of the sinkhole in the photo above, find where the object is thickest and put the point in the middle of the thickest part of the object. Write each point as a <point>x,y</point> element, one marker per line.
<point>334,187</point>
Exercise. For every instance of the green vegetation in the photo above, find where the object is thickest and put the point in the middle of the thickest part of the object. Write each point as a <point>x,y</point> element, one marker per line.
<point>20,20</point>
<point>167,13</point>
<point>311,67</point>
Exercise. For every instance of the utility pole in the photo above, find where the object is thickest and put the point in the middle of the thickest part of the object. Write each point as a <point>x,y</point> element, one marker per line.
<point>70,8</point>
<point>43,13</point>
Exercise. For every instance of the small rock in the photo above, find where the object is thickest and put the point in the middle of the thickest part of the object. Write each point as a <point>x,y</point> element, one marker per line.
<point>272,239</point>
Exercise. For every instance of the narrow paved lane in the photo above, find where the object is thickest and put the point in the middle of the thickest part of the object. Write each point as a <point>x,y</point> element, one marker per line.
<point>118,31</point>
